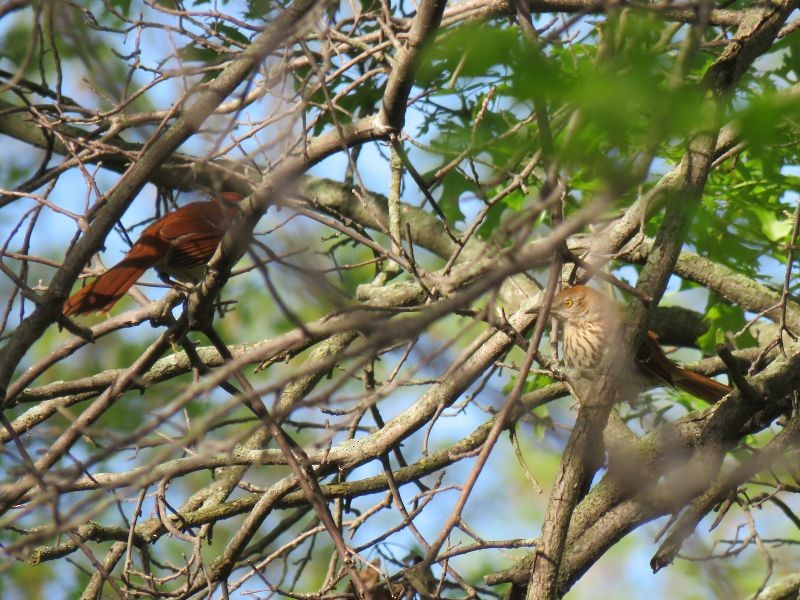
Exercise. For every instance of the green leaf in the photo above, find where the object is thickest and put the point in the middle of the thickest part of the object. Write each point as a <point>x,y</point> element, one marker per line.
<point>257,9</point>
<point>723,320</point>
<point>454,184</point>
<point>774,227</point>
<point>123,6</point>
<point>191,52</point>
<point>514,201</point>
<point>232,33</point>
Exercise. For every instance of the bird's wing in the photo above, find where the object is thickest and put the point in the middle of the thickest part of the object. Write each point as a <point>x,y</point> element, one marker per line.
<point>653,359</point>
<point>193,234</point>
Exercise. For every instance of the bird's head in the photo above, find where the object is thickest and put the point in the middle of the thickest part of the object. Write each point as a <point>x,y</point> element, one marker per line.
<point>576,304</point>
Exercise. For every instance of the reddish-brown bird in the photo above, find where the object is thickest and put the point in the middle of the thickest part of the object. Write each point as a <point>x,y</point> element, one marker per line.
<point>179,244</point>
<point>592,322</point>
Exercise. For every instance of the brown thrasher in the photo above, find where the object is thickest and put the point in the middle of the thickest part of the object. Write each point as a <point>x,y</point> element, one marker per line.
<point>592,322</point>
<point>179,244</point>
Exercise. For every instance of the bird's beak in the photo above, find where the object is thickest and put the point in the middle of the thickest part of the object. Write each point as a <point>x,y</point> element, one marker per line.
<point>533,306</point>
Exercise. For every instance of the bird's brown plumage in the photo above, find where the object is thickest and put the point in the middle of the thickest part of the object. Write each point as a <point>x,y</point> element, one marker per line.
<point>593,322</point>
<point>179,244</point>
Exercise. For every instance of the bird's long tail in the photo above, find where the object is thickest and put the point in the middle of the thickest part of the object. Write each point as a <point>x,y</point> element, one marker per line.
<point>651,356</point>
<point>103,293</point>
<point>699,385</point>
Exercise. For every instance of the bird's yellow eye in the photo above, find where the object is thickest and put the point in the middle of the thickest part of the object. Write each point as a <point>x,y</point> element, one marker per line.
<point>569,302</point>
